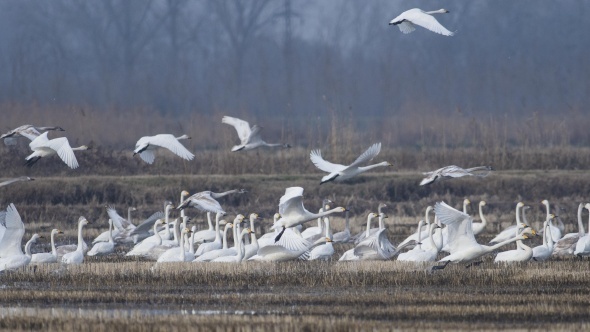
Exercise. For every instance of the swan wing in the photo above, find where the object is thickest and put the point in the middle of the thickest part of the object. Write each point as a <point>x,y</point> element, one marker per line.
<point>293,242</point>
<point>38,142</point>
<point>453,171</point>
<point>459,225</point>
<point>242,127</point>
<point>406,27</point>
<point>63,149</point>
<point>205,202</point>
<point>481,171</point>
<point>10,244</point>
<point>427,21</point>
<point>147,224</point>
<point>118,221</point>
<point>291,202</point>
<point>254,135</point>
<point>326,166</point>
<point>171,143</point>
<point>371,153</point>
<point>371,244</point>
<point>148,156</point>
<point>31,133</point>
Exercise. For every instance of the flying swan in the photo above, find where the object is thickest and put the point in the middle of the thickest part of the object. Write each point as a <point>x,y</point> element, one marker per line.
<point>249,137</point>
<point>415,16</point>
<point>453,171</point>
<point>148,144</point>
<point>340,172</point>
<point>44,147</point>
<point>28,131</point>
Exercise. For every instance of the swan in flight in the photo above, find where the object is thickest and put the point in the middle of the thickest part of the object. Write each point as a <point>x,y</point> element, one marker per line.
<point>453,171</point>
<point>15,261</point>
<point>77,257</point>
<point>28,131</point>
<point>567,244</point>
<point>340,172</point>
<point>249,137</point>
<point>104,248</point>
<point>47,257</point>
<point>407,20</point>
<point>462,244</point>
<point>19,179</point>
<point>293,212</point>
<point>44,147</point>
<point>206,201</point>
<point>148,144</point>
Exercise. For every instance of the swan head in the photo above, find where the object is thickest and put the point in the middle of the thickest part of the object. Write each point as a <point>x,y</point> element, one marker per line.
<point>83,221</point>
<point>253,216</point>
<point>466,201</point>
<point>340,209</point>
<point>482,203</point>
<point>587,206</point>
<point>287,146</point>
<point>545,202</point>
<point>35,237</point>
<point>184,193</point>
<point>519,205</point>
<point>222,222</point>
<point>84,147</point>
<point>443,11</point>
<point>328,240</point>
<point>56,231</point>
<point>276,217</point>
<point>372,215</point>
<point>239,218</point>
<point>185,136</point>
<point>160,222</point>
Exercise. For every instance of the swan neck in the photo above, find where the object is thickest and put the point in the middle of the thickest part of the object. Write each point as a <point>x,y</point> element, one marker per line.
<point>225,236</point>
<point>549,237</point>
<point>501,244</point>
<point>157,234</point>
<point>129,216</point>
<point>420,224</point>
<point>545,229</point>
<point>484,222</point>
<point>217,235</point>
<point>28,248</point>
<point>369,218</point>
<point>431,237</point>
<point>547,206</point>
<point>182,254</point>
<point>327,227</point>
<point>177,236</point>
<point>580,221</point>
<point>111,232</point>
<point>518,222</point>
<point>369,167</point>
<point>53,249</point>
<point>191,244</point>
<point>209,220</point>
<point>80,238</point>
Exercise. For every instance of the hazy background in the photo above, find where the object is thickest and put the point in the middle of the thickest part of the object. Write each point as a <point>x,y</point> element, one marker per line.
<point>321,74</point>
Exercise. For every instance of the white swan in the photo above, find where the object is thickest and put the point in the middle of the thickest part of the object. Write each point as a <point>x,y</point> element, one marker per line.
<point>177,254</point>
<point>44,147</point>
<point>462,244</point>
<point>206,201</point>
<point>544,251</point>
<point>12,230</point>
<point>344,236</point>
<point>378,247</point>
<point>567,244</point>
<point>252,248</point>
<point>291,246</point>
<point>148,144</point>
<point>419,253</point>
<point>144,230</point>
<point>239,256</point>
<point>269,238</point>
<point>249,137</point>
<point>224,251</point>
<point>453,171</point>
<point>15,261</point>
<point>210,234</point>
<point>555,231</point>
<point>293,212</point>
<point>509,232</point>
<point>47,257</point>
<point>416,236</point>
<point>19,179</point>
<point>28,131</point>
<point>77,257</point>
<point>522,253</point>
<point>217,243</point>
<point>370,231</point>
<point>121,233</point>
<point>583,244</point>
<point>479,227</point>
<point>145,246</point>
<point>415,16</point>
<point>326,250</point>
<point>104,248</point>
<point>340,172</point>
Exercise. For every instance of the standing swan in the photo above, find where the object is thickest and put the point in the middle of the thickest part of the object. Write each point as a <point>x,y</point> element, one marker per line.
<point>567,244</point>
<point>480,226</point>
<point>77,257</point>
<point>148,144</point>
<point>340,172</point>
<point>293,212</point>
<point>406,21</point>
<point>583,244</point>
<point>249,137</point>
<point>44,147</point>
<point>104,248</point>
<point>47,257</point>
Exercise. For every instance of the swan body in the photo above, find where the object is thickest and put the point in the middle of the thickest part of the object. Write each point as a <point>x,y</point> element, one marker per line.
<point>249,136</point>
<point>370,231</point>
<point>146,146</point>
<point>209,234</point>
<point>47,257</point>
<point>12,230</point>
<point>145,246</point>
<point>293,212</point>
<point>77,257</point>
<point>555,231</point>
<point>583,244</point>
<point>44,147</point>
<point>121,233</point>
<point>344,236</point>
<point>544,251</point>
<point>104,248</point>
<point>462,245</point>
<point>217,241</point>
<point>567,244</point>
<point>322,252</point>
<point>479,227</point>
<point>419,253</point>
<point>19,179</point>
<point>407,21</point>
<point>453,171</point>
<point>522,253</point>
<point>252,248</point>
<point>378,247</point>
<point>178,254</point>
<point>291,246</point>
<point>224,251</point>
<point>28,131</point>
<point>341,172</point>
<point>206,201</point>
<point>239,256</point>
<point>13,262</point>
<point>509,232</point>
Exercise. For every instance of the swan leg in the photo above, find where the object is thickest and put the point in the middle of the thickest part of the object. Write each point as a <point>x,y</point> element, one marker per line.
<point>32,161</point>
<point>440,267</point>
<point>280,234</point>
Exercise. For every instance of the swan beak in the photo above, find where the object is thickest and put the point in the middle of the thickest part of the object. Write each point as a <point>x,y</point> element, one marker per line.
<point>41,237</point>
<point>31,179</point>
<point>384,216</point>
<point>389,164</point>
<point>446,11</point>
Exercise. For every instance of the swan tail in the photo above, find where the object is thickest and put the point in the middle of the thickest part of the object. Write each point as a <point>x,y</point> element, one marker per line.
<point>30,162</point>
